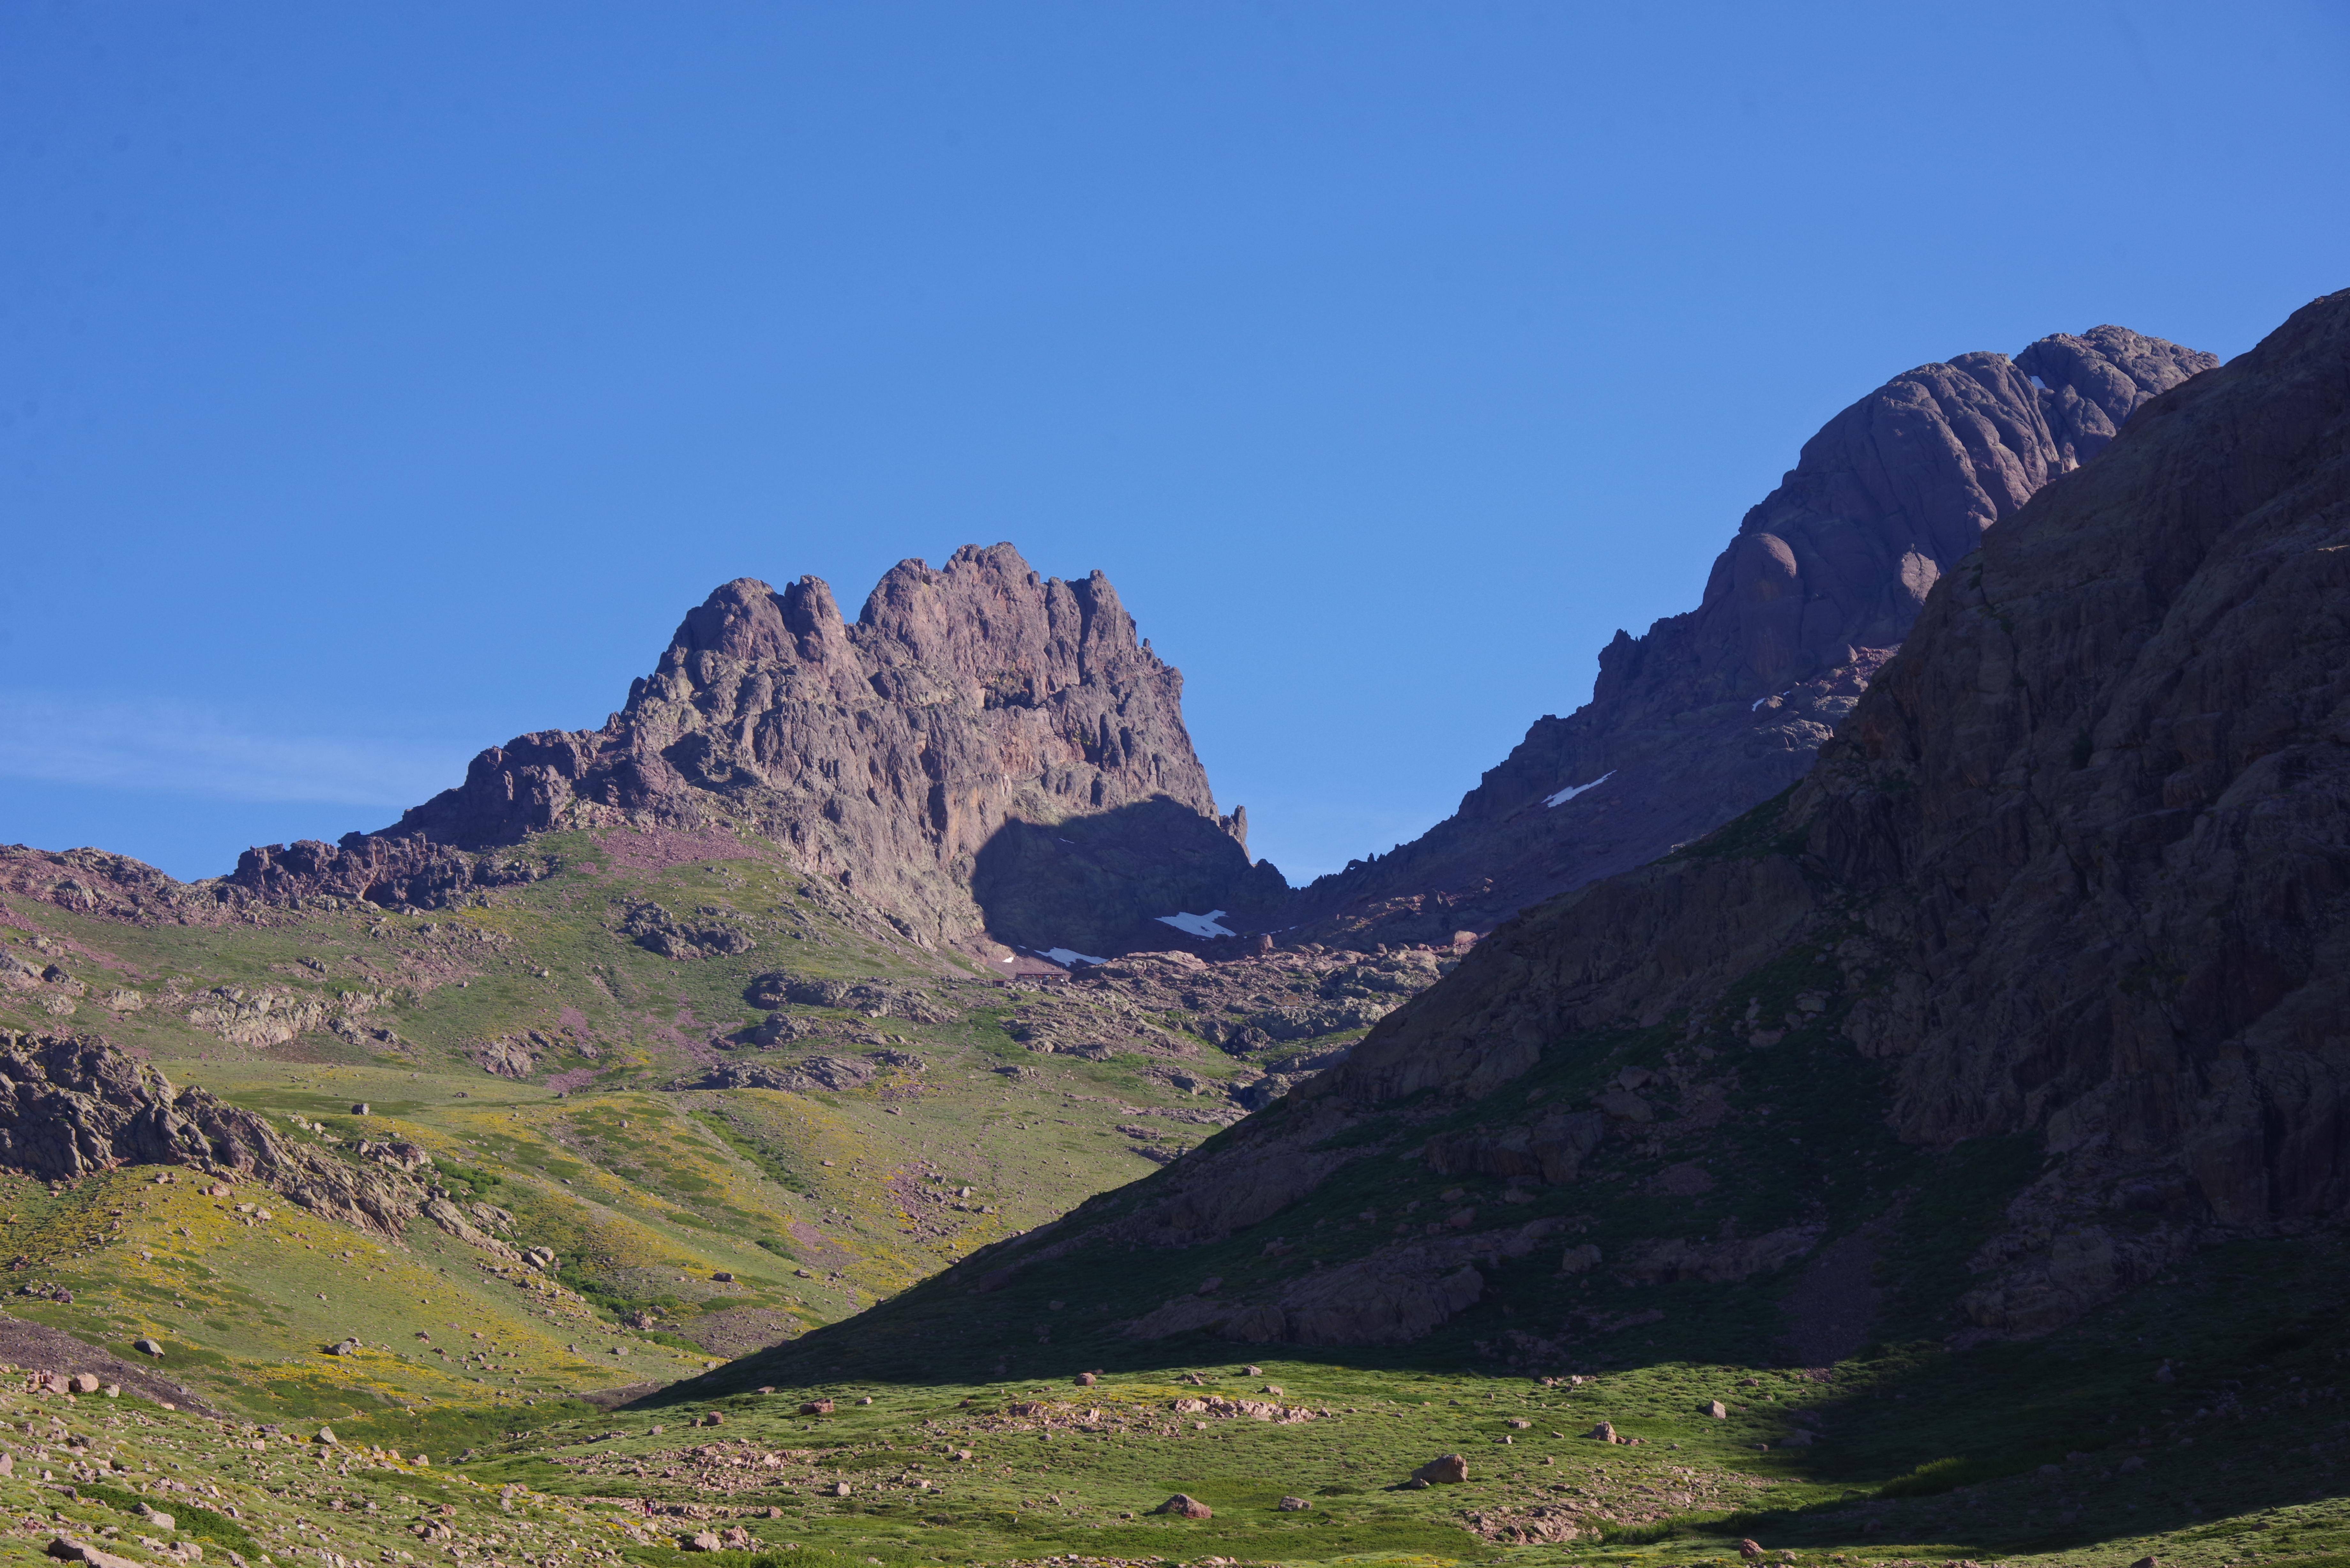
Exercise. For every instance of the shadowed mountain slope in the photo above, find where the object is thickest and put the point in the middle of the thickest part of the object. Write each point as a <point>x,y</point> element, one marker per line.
<point>2031,988</point>
<point>1723,707</point>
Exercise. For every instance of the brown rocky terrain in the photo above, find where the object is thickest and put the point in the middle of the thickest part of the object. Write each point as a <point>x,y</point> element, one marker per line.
<point>2034,983</point>
<point>1720,708</point>
<point>984,751</point>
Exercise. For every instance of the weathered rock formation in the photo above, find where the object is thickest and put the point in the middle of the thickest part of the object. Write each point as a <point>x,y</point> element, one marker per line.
<point>2044,967</point>
<point>983,749</point>
<point>1719,708</point>
<point>71,1106</point>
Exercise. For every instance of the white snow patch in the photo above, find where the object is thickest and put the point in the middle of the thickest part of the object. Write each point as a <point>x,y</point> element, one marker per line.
<point>1066,956</point>
<point>1199,925</point>
<point>1758,704</point>
<point>1571,790</point>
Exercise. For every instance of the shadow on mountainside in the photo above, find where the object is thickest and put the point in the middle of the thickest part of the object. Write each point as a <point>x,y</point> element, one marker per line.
<point>2200,1400</point>
<point>1098,884</point>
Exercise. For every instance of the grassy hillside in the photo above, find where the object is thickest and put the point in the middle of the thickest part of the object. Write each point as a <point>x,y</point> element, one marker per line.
<point>2197,1421</point>
<point>2067,1451</point>
<point>542,1053</point>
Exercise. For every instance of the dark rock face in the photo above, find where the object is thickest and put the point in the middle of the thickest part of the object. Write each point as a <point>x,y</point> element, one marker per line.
<point>968,715</point>
<point>71,1106</point>
<point>2076,873</point>
<point>380,869</point>
<point>1720,708</point>
<point>2092,829</point>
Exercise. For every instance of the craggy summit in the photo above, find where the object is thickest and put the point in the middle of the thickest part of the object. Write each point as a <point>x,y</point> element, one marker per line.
<point>887,753</point>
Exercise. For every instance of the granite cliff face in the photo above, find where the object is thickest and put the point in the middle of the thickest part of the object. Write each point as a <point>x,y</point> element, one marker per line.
<point>2041,972</point>
<point>982,751</point>
<point>1720,708</point>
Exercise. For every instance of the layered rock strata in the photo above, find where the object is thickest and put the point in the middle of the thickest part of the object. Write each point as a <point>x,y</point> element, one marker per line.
<point>1723,707</point>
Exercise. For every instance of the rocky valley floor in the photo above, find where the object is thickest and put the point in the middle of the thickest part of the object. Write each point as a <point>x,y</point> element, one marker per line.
<point>2117,1441</point>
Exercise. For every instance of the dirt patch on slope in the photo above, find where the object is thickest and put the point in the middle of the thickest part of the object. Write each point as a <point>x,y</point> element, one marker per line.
<point>39,1348</point>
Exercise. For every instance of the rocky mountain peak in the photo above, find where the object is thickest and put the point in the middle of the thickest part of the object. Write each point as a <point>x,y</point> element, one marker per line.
<point>984,751</point>
<point>1719,708</point>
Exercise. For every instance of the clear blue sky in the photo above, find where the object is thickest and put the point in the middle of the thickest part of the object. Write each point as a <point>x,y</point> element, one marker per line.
<point>383,379</point>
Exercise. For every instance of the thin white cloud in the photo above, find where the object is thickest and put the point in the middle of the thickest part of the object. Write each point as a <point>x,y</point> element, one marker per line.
<point>174,749</point>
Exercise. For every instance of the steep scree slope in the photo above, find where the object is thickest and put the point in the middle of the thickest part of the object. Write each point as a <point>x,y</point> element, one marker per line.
<point>2033,987</point>
<point>908,754</point>
<point>1723,707</point>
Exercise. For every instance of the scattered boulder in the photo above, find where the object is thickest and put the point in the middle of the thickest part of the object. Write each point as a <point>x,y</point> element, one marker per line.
<point>1293,1505</point>
<point>817,1408</point>
<point>82,1382</point>
<point>1717,1410</point>
<point>1605,1432</point>
<point>701,1541</point>
<point>1445,1470</point>
<point>1749,1549</point>
<point>1183,1505</point>
<point>66,1548</point>
<point>1624,1105</point>
<point>1087,1380</point>
<point>146,1347</point>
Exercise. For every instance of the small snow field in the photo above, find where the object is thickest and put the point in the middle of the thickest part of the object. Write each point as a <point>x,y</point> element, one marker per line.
<point>1199,925</point>
<point>1571,790</point>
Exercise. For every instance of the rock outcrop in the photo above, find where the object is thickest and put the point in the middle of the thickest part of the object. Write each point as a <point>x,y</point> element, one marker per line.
<point>1719,708</point>
<point>984,751</point>
<point>71,1106</point>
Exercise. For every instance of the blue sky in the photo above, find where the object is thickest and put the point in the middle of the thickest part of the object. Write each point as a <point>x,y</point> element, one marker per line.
<point>381,380</point>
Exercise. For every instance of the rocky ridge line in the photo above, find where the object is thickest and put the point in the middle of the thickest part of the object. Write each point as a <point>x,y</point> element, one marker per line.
<point>1720,708</point>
